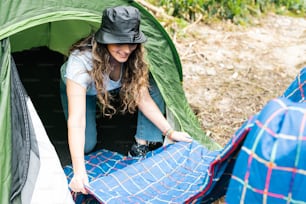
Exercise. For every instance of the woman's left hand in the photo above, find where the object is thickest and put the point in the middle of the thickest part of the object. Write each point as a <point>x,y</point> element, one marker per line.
<point>180,136</point>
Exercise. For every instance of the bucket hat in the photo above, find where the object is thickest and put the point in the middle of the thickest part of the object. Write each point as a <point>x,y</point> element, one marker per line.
<point>120,25</point>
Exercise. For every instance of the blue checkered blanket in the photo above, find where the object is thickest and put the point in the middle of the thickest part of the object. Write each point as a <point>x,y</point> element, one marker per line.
<point>271,165</point>
<point>175,173</point>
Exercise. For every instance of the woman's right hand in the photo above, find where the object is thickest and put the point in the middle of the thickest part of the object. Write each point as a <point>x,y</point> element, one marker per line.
<point>78,182</point>
<point>180,136</point>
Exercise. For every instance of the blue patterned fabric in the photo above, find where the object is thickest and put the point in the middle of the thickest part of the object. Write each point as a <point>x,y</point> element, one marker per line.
<point>174,175</point>
<point>271,166</point>
<point>297,90</point>
<point>99,164</point>
<point>177,173</point>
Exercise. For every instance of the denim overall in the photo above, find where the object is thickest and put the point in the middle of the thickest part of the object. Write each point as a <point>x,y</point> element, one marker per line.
<point>146,130</point>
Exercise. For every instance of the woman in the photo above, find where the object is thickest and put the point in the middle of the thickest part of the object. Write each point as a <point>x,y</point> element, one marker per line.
<point>109,62</point>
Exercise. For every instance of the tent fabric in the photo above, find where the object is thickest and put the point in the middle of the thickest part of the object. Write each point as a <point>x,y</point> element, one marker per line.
<point>50,180</point>
<point>36,158</point>
<point>23,136</point>
<point>271,165</point>
<point>27,157</point>
<point>5,125</point>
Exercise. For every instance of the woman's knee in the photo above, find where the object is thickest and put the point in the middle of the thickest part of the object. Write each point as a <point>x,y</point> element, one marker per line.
<point>89,146</point>
<point>90,139</point>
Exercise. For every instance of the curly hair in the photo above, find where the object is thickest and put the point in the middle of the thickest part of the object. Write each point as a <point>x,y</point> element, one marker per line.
<point>134,77</point>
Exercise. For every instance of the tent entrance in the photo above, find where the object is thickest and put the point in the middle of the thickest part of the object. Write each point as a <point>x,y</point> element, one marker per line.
<point>39,71</point>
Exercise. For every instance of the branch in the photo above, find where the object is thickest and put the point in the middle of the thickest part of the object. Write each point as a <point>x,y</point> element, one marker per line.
<point>155,10</point>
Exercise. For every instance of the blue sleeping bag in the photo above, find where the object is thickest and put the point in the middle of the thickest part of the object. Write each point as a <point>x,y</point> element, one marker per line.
<point>271,165</point>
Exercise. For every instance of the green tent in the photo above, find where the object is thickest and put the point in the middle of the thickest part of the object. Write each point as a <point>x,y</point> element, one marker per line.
<point>43,31</point>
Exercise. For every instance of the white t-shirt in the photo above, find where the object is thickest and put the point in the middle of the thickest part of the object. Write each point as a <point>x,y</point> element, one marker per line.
<point>77,69</point>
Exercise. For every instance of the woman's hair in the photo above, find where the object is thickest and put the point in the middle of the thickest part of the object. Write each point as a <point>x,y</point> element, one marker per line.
<point>134,76</point>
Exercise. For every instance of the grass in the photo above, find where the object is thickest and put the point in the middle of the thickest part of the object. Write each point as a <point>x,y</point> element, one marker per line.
<point>238,11</point>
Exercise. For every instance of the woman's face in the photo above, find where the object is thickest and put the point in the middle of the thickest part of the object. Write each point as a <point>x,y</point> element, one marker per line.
<point>121,52</point>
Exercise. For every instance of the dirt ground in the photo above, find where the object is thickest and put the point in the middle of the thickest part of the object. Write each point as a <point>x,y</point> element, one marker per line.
<point>231,72</point>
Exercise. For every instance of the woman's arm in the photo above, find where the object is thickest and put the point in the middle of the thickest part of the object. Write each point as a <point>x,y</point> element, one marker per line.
<point>148,107</point>
<point>76,133</point>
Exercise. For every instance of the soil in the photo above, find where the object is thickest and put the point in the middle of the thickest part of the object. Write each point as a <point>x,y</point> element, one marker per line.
<point>230,71</point>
